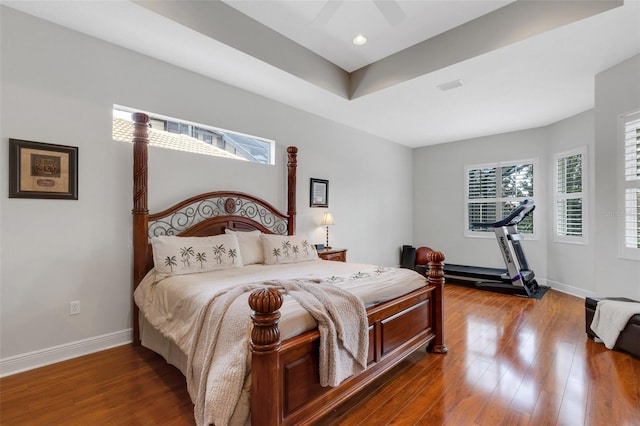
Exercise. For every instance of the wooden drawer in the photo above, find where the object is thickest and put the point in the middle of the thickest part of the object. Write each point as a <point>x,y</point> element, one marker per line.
<point>338,255</point>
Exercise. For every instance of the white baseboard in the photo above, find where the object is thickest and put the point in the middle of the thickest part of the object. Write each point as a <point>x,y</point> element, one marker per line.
<point>40,358</point>
<point>566,288</point>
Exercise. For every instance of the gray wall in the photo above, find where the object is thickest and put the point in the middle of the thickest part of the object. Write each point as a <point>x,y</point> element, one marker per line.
<point>439,196</point>
<point>592,269</point>
<point>570,266</point>
<point>617,93</point>
<point>59,86</point>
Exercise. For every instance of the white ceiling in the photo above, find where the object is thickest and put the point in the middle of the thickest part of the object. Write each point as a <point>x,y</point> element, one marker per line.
<point>520,67</point>
<point>328,27</point>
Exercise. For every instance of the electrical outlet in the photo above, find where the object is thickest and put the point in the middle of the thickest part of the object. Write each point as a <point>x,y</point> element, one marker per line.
<point>74,307</point>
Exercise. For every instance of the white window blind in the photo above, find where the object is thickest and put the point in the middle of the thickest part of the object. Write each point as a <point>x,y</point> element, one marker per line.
<point>482,195</point>
<point>569,196</point>
<point>630,217</point>
<point>494,190</point>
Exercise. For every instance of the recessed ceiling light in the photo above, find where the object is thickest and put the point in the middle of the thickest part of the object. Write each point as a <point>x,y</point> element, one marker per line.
<point>359,40</point>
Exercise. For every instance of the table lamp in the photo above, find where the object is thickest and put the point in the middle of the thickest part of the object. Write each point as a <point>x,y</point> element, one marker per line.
<point>327,220</point>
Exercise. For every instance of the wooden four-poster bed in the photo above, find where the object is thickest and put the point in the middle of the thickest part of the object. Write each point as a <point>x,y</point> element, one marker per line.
<point>284,373</point>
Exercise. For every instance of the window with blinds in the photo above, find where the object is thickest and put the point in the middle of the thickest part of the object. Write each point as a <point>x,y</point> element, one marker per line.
<point>630,214</point>
<point>494,190</point>
<point>569,196</point>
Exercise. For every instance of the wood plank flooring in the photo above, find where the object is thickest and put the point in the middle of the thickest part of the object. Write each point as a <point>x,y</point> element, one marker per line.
<point>511,361</point>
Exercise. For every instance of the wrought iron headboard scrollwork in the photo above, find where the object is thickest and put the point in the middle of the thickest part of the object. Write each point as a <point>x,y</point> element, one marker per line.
<point>221,205</point>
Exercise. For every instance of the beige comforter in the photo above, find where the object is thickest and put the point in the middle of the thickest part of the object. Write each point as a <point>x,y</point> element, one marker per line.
<point>171,304</point>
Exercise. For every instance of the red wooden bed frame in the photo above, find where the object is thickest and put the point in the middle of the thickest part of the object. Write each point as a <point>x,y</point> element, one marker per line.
<point>285,378</point>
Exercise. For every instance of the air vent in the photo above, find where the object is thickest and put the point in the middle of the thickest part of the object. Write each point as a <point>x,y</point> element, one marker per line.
<point>450,85</point>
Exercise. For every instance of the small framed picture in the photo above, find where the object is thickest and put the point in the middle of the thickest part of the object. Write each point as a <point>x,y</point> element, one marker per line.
<point>319,193</point>
<point>42,170</point>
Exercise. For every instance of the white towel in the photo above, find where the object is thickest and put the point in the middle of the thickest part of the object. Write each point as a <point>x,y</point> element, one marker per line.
<point>610,318</point>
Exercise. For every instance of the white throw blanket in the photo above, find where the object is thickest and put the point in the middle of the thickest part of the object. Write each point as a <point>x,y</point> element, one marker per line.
<point>610,318</point>
<point>219,359</point>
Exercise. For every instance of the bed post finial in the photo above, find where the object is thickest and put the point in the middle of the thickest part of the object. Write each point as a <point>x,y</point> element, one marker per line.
<point>265,342</point>
<point>292,164</point>
<point>140,210</point>
<point>265,303</point>
<point>435,277</point>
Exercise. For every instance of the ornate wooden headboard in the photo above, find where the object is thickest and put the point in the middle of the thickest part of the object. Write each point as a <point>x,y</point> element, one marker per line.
<point>202,215</point>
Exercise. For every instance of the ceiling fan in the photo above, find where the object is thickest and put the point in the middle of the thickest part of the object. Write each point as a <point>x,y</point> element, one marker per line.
<point>390,9</point>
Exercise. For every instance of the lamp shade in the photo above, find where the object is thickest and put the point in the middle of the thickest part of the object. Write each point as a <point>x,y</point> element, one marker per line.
<point>327,219</point>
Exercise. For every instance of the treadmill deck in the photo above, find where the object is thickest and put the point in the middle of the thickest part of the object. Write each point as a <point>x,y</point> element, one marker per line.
<point>475,273</point>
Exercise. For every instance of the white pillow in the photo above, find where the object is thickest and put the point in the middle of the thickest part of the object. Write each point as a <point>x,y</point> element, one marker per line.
<point>286,249</point>
<point>187,255</point>
<point>250,246</point>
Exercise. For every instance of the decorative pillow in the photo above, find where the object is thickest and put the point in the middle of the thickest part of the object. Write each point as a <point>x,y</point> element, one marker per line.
<point>188,255</point>
<point>250,246</point>
<point>286,249</point>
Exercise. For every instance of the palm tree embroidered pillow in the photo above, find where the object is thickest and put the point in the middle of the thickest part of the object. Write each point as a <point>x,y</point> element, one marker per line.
<point>287,249</point>
<point>188,255</point>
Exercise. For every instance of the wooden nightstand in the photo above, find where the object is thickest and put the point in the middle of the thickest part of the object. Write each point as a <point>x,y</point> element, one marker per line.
<point>338,255</point>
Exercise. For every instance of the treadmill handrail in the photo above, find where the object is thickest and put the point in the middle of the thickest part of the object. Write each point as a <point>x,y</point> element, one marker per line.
<point>516,216</point>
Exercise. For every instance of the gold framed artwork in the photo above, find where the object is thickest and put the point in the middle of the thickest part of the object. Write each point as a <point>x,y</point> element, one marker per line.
<point>42,170</point>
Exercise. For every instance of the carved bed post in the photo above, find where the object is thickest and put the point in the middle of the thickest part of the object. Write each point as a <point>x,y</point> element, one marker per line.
<point>140,210</point>
<point>265,343</point>
<point>436,278</point>
<point>292,164</point>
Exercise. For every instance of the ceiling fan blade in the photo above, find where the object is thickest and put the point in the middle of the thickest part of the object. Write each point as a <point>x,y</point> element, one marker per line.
<point>391,11</point>
<point>326,13</point>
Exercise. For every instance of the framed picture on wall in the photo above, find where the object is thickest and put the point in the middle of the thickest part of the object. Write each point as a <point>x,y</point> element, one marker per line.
<point>42,170</point>
<point>319,193</point>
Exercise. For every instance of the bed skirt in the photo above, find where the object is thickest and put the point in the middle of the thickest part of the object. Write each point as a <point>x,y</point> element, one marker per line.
<point>152,339</point>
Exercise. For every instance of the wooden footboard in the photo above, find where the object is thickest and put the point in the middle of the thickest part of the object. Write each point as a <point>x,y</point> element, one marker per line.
<point>285,377</point>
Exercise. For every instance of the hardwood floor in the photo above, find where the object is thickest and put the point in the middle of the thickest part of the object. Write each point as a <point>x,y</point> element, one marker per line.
<point>511,361</point>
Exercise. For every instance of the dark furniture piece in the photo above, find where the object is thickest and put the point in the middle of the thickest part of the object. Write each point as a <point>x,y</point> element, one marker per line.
<point>629,339</point>
<point>338,255</point>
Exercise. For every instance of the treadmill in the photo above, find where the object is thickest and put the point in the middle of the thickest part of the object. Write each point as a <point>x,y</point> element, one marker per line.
<point>517,279</point>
